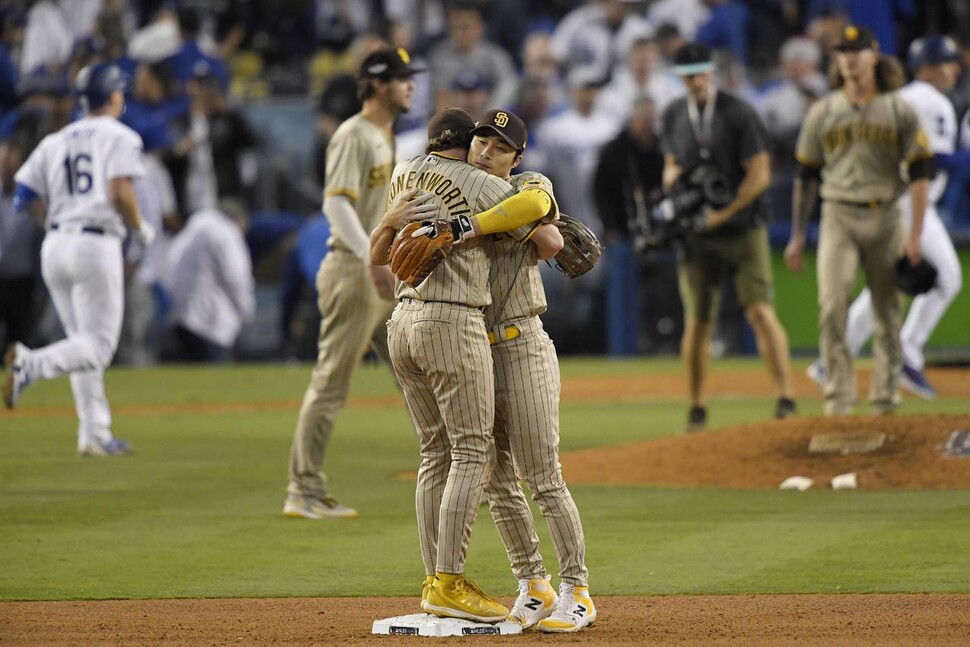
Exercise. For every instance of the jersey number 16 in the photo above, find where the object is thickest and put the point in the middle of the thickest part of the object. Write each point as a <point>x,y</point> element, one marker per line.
<point>78,173</point>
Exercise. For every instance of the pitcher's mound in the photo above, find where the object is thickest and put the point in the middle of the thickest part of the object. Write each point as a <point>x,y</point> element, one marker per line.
<point>762,455</point>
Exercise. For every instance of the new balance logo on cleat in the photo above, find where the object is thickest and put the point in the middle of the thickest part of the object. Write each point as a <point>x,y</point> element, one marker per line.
<point>574,611</point>
<point>537,600</point>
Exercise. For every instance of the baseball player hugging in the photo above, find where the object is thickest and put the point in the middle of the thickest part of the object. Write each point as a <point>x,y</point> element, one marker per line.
<point>84,173</point>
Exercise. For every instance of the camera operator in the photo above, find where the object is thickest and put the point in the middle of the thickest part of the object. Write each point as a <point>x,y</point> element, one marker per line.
<point>717,129</point>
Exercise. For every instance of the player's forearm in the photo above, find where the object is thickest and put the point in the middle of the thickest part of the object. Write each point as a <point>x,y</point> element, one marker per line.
<point>123,197</point>
<point>919,193</point>
<point>380,245</point>
<point>521,209</point>
<point>804,191</point>
<point>346,226</point>
<point>548,241</point>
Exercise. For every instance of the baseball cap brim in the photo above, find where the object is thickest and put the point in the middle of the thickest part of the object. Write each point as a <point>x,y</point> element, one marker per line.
<point>853,47</point>
<point>690,69</point>
<point>492,130</point>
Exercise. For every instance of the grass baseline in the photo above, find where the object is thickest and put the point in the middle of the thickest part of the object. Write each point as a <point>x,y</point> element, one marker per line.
<point>196,511</point>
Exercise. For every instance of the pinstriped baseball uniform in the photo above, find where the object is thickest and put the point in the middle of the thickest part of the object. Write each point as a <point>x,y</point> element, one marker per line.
<point>359,161</point>
<point>860,151</point>
<point>527,390</point>
<point>439,349</point>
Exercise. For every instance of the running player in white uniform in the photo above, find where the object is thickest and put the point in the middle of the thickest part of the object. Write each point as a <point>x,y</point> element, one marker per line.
<point>84,172</point>
<point>934,62</point>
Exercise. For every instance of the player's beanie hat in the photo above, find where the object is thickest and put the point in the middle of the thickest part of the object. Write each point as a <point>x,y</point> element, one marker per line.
<point>455,120</point>
<point>506,125</point>
<point>693,58</point>
<point>387,64</point>
<point>856,38</point>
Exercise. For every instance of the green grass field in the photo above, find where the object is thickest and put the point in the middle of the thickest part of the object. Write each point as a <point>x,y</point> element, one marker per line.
<point>196,512</point>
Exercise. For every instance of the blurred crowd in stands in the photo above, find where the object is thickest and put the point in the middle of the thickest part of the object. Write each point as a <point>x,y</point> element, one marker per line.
<point>209,78</point>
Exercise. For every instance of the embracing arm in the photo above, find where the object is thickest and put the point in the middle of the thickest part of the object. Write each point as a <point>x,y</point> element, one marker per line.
<point>548,241</point>
<point>521,209</point>
<point>407,206</point>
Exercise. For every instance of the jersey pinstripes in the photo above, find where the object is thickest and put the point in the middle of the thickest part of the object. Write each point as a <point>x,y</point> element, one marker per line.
<point>441,357</point>
<point>440,352</point>
<point>527,390</point>
<point>458,189</point>
<point>527,386</point>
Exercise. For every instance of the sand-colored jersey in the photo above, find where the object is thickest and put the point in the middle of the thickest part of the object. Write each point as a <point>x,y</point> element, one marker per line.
<point>860,150</point>
<point>359,161</point>
<point>516,284</point>
<point>459,189</point>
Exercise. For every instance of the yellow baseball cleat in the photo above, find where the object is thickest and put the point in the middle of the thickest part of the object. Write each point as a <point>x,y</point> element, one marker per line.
<point>425,589</point>
<point>453,596</point>
<point>574,611</point>
<point>537,600</point>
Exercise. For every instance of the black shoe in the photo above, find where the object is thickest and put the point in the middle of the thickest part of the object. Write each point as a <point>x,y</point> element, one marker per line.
<point>696,419</point>
<point>785,409</point>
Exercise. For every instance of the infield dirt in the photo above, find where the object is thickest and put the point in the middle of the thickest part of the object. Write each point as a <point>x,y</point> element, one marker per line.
<point>848,620</point>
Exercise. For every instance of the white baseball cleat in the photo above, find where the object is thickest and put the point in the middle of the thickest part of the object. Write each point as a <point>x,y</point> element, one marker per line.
<point>816,373</point>
<point>537,600</point>
<point>15,379</point>
<point>113,447</point>
<point>308,507</point>
<point>574,611</point>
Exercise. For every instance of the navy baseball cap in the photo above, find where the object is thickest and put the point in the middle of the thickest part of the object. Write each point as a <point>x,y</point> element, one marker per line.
<point>693,58</point>
<point>388,63</point>
<point>506,125</point>
<point>857,38</point>
<point>96,83</point>
<point>932,50</point>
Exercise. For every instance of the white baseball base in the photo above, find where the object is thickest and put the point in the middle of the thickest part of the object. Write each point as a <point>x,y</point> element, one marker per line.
<point>423,624</point>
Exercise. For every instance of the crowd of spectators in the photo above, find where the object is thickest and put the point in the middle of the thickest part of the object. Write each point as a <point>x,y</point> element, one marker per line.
<point>585,76</point>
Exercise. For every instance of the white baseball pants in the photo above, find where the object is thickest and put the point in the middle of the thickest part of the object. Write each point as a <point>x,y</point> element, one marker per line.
<point>927,309</point>
<point>84,274</point>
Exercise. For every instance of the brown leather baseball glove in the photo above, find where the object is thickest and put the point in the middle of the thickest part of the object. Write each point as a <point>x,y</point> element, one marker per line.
<point>581,249</point>
<point>418,248</point>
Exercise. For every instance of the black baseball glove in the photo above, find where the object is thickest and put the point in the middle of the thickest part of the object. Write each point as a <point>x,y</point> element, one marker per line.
<point>581,249</point>
<point>914,279</point>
